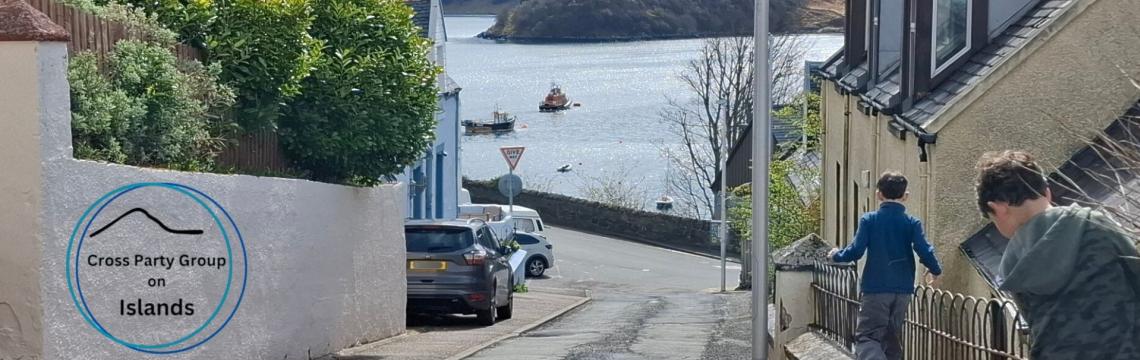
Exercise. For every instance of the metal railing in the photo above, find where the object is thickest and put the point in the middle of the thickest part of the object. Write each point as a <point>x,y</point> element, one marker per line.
<point>940,325</point>
<point>836,292</point>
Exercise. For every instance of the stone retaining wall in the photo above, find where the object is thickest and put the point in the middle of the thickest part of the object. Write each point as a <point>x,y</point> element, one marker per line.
<point>593,217</point>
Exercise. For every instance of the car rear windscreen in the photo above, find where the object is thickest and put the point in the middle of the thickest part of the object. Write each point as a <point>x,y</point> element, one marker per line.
<point>438,240</point>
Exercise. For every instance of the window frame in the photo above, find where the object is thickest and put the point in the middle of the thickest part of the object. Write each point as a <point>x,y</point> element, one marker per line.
<point>935,69</point>
<point>485,239</point>
<point>857,30</point>
<point>529,222</point>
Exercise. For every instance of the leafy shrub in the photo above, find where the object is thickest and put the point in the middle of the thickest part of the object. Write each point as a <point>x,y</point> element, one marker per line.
<point>789,217</point>
<point>368,108</point>
<point>146,110</point>
<point>190,19</point>
<point>100,113</point>
<point>265,50</point>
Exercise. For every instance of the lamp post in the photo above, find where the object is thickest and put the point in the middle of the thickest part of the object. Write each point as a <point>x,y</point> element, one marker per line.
<point>761,157</point>
<point>723,228</point>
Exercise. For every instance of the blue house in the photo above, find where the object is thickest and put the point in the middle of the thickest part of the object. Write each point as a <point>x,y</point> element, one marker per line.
<point>434,182</point>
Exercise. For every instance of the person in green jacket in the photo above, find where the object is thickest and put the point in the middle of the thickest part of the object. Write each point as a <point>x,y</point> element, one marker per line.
<point>1072,271</point>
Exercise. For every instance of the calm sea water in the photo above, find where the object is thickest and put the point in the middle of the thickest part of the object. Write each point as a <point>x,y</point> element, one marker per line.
<point>617,131</point>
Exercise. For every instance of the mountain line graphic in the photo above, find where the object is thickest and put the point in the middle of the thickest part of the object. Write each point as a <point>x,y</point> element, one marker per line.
<point>148,216</point>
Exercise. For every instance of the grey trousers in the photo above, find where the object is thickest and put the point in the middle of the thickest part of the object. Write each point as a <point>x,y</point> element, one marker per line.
<point>878,335</point>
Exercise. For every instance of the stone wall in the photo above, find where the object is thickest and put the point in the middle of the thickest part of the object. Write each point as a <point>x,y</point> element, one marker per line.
<point>588,216</point>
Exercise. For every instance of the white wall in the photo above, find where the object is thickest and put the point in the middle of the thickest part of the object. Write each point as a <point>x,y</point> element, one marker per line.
<point>326,263</point>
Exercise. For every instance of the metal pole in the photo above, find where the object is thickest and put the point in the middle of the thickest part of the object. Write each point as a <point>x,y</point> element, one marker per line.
<point>723,229</point>
<point>761,157</point>
<point>511,194</point>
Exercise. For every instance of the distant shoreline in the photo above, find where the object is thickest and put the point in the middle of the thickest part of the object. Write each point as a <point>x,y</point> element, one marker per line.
<point>616,39</point>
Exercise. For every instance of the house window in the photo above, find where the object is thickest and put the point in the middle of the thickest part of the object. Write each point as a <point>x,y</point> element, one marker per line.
<point>951,35</point>
<point>890,36</point>
<point>867,29</point>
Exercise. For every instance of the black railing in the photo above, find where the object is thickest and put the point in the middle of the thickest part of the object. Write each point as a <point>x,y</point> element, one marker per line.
<point>836,292</point>
<point>940,325</point>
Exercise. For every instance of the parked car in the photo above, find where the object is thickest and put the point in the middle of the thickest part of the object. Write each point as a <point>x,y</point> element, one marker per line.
<point>539,253</point>
<point>458,267</point>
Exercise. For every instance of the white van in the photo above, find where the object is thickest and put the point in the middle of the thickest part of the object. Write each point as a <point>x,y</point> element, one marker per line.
<point>524,219</point>
<point>500,222</point>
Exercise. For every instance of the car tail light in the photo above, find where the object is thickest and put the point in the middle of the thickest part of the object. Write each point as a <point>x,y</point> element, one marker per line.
<point>476,297</point>
<point>477,257</point>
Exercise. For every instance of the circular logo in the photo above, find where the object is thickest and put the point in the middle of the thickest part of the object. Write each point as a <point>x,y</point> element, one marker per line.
<point>156,267</point>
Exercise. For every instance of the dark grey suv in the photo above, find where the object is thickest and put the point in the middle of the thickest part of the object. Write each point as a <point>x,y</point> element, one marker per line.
<point>457,267</point>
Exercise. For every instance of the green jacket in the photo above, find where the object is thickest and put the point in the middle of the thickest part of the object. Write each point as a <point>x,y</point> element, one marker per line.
<point>1076,278</point>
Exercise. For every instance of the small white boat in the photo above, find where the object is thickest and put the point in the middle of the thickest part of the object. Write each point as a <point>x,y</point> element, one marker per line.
<point>665,203</point>
<point>565,168</point>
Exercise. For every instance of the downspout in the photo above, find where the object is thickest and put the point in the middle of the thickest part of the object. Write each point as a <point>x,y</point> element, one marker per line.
<point>845,169</point>
<point>823,96</point>
<point>875,168</point>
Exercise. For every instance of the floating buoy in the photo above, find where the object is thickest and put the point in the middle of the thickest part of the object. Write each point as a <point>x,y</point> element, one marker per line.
<point>523,126</point>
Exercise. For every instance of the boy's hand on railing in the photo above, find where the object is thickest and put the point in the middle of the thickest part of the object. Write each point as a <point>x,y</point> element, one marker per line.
<point>831,254</point>
<point>933,280</point>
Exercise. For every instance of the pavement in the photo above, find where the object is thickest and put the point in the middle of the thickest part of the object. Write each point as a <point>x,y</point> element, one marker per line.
<point>647,303</point>
<point>455,337</point>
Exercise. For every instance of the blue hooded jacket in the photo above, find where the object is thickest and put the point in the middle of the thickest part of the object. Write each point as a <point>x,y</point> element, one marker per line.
<point>890,237</point>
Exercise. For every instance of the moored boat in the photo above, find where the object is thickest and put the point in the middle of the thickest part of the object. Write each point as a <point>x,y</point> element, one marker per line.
<point>502,123</point>
<point>555,101</point>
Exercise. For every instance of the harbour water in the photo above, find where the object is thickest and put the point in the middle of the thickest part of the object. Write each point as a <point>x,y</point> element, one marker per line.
<point>622,88</point>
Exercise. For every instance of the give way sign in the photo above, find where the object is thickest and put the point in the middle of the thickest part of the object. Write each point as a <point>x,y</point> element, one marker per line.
<point>512,154</point>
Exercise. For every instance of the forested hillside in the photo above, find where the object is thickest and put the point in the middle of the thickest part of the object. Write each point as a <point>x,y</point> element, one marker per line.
<point>651,19</point>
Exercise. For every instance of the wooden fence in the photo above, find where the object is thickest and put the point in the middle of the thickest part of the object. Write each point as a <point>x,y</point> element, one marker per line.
<point>257,153</point>
<point>90,33</point>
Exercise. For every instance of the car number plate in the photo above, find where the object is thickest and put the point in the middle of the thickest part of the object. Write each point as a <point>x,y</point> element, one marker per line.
<point>427,265</point>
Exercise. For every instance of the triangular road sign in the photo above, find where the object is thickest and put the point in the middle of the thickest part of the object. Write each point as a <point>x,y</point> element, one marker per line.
<point>512,154</point>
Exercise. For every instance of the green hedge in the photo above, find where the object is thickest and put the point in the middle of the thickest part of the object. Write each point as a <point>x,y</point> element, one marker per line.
<point>368,108</point>
<point>147,110</point>
<point>265,50</point>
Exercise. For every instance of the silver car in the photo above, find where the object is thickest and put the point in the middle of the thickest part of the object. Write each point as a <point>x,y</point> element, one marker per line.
<point>539,253</point>
<point>457,267</point>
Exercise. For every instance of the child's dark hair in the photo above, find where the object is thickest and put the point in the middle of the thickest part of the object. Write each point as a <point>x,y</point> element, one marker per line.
<point>892,185</point>
<point>1008,176</point>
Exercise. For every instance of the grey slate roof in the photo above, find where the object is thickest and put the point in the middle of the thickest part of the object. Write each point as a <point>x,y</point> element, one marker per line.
<point>984,250</point>
<point>982,63</point>
<point>1095,170</point>
<point>422,17</point>
<point>886,94</point>
<point>856,79</point>
<point>830,68</point>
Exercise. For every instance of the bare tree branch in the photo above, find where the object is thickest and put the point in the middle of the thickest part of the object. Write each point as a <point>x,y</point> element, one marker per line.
<point>720,80</point>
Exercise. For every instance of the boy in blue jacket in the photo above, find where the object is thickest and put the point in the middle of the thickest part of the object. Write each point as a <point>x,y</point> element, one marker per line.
<point>890,237</point>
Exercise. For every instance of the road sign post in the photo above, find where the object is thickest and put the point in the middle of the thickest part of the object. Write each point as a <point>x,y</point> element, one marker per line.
<point>512,154</point>
<point>761,157</point>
